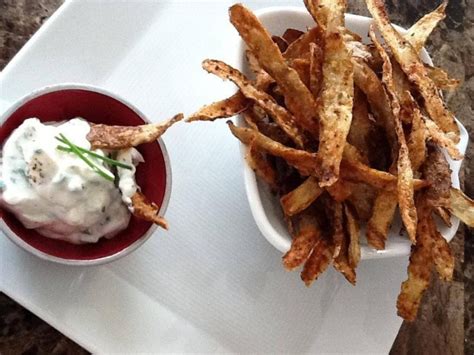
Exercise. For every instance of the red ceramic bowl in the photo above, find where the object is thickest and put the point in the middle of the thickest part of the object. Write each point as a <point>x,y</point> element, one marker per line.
<point>63,102</point>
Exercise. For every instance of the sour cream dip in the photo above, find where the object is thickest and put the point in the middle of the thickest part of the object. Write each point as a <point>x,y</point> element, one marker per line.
<point>56,192</point>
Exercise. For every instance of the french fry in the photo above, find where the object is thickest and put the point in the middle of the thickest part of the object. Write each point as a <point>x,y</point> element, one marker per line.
<point>302,67</point>
<point>315,69</point>
<point>354,235</point>
<point>291,35</point>
<point>379,223</point>
<point>340,190</point>
<point>281,116</point>
<point>327,13</point>
<point>121,137</point>
<point>144,209</point>
<point>443,257</point>
<point>462,206</point>
<point>405,173</point>
<point>437,136</point>
<point>341,262</point>
<point>303,242</point>
<point>419,268</point>
<point>319,260</point>
<point>300,198</point>
<point>258,163</point>
<point>335,210</point>
<point>228,107</point>
<point>299,47</point>
<point>361,127</point>
<point>437,173</point>
<point>444,214</point>
<point>335,110</point>
<point>298,98</point>
<point>408,59</point>
<point>441,78</point>
<point>362,198</point>
<point>262,79</point>
<point>419,32</point>
<point>417,141</point>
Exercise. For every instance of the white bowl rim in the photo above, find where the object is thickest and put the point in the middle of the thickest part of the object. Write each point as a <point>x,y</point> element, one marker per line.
<point>281,242</point>
<point>135,245</point>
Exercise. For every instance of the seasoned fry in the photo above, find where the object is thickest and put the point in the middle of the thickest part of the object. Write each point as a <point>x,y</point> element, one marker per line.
<point>302,67</point>
<point>280,42</point>
<point>379,223</point>
<point>441,78</point>
<point>419,269</point>
<point>408,59</point>
<point>302,160</point>
<point>341,262</point>
<point>121,137</point>
<point>462,206</point>
<point>442,255</point>
<point>144,209</point>
<point>419,32</point>
<point>315,69</point>
<point>354,235</point>
<point>361,127</point>
<point>228,107</point>
<point>417,141</point>
<point>282,117</point>
<point>258,163</point>
<point>335,209</point>
<point>300,198</point>
<point>327,13</point>
<point>303,242</point>
<point>262,79</point>
<point>335,110</point>
<point>437,136</point>
<point>298,98</point>
<point>405,173</point>
<point>444,214</point>
<point>362,198</point>
<point>292,35</point>
<point>300,47</point>
<point>340,190</point>
<point>438,174</point>
<point>318,261</point>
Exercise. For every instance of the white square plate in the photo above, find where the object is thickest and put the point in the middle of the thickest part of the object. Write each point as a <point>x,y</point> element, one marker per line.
<point>212,283</point>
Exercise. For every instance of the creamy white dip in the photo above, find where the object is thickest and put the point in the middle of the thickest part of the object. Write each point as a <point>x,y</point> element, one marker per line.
<point>56,192</point>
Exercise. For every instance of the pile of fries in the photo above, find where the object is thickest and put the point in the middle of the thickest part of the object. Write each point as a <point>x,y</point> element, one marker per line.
<point>345,132</point>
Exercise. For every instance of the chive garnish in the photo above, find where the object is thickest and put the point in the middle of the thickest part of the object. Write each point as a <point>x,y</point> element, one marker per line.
<point>74,149</point>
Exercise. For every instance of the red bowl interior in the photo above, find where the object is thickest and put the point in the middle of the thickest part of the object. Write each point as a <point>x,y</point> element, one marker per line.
<point>98,108</point>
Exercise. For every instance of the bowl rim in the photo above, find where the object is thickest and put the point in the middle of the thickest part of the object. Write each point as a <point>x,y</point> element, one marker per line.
<point>168,186</point>
<point>267,229</point>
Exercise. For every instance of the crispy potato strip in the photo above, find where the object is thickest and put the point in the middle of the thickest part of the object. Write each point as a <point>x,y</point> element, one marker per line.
<point>281,116</point>
<point>225,108</point>
<point>417,141</point>
<point>300,198</point>
<point>327,13</point>
<point>291,35</point>
<point>444,214</point>
<point>335,110</point>
<point>340,190</point>
<point>362,198</point>
<point>443,257</point>
<point>121,137</point>
<point>420,31</point>
<point>302,160</point>
<point>419,269</point>
<point>298,98</point>
<point>262,167</point>
<point>405,189</point>
<point>341,262</point>
<point>337,221</point>
<point>361,127</point>
<point>441,139</point>
<point>299,47</point>
<point>144,209</point>
<point>462,206</point>
<point>437,173</point>
<point>379,223</point>
<point>262,79</point>
<point>318,261</point>
<point>441,78</point>
<point>354,236</point>
<point>302,67</point>
<point>408,59</point>
<point>303,242</point>
<point>315,68</point>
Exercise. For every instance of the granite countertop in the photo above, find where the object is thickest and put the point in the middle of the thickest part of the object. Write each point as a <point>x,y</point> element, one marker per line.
<point>444,324</point>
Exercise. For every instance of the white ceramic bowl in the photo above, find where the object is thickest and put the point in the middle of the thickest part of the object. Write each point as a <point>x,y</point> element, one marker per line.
<point>266,207</point>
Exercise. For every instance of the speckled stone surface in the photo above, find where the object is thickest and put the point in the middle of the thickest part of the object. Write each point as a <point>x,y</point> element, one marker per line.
<point>445,322</point>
